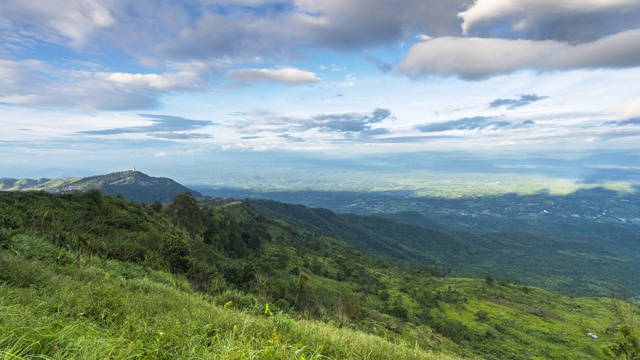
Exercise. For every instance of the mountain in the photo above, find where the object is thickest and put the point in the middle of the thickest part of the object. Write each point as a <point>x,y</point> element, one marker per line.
<point>132,185</point>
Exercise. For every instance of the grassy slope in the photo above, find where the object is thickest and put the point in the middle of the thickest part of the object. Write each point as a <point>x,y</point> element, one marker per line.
<point>128,309</point>
<point>120,310</point>
<point>30,184</point>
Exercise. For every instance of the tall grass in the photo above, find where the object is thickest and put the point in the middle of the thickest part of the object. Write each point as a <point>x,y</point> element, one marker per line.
<point>122,311</point>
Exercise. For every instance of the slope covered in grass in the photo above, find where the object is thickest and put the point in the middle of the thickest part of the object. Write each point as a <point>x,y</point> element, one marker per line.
<point>87,274</point>
<point>119,310</point>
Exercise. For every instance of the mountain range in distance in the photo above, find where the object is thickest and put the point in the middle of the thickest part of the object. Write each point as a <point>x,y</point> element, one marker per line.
<point>131,184</point>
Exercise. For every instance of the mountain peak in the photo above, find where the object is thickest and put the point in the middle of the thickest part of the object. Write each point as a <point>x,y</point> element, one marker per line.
<point>133,185</point>
<point>130,184</point>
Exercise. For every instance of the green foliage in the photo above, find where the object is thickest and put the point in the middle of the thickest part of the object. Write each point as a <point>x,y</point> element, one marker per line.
<point>585,262</point>
<point>263,289</point>
<point>626,343</point>
<point>185,212</point>
<point>177,253</point>
<point>96,314</point>
<point>488,279</point>
<point>482,316</point>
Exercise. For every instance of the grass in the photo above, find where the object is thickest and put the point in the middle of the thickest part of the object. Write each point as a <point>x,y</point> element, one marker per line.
<point>122,311</point>
<point>534,321</point>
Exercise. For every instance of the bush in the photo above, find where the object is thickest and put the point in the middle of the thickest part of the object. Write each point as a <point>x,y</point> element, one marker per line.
<point>235,299</point>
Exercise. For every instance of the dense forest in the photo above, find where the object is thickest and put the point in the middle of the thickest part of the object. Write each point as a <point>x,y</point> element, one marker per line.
<point>86,275</point>
<point>580,265</point>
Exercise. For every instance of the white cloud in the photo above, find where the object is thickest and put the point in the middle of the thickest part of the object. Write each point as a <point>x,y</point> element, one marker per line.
<point>245,35</point>
<point>478,58</point>
<point>340,24</point>
<point>172,81</point>
<point>56,21</point>
<point>36,83</point>
<point>285,75</point>
<point>571,20</point>
<point>630,109</point>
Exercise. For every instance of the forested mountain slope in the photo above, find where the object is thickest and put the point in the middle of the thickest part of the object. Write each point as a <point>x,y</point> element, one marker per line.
<point>86,275</point>
<point>574,265</point>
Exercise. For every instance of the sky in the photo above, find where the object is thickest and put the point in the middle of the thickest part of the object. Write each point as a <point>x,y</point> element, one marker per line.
<point>98,85</point>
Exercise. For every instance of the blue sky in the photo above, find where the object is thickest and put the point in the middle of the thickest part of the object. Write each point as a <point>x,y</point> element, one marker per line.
<point>101,85</point>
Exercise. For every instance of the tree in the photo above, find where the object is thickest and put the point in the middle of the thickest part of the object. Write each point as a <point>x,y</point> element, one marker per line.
<point>156,206</point>
<point>488,279</point>
<point>302,298</point>
<point>185,212</point>
<point>177,252</point>
<point>627,343</point>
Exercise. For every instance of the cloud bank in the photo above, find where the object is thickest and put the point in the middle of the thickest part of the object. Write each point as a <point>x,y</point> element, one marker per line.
<point>192,45</point>
<point>481,58</point>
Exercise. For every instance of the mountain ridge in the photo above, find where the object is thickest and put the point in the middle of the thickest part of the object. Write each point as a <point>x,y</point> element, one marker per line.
<point>130,184</point>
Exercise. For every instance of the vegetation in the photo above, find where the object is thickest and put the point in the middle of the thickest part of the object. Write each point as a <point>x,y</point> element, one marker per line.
<point>93,276</point>
<point>579,265</point>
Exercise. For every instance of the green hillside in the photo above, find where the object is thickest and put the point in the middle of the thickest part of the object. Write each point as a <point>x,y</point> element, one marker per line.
<point>581,266</point>
<point>92,276</point>
<point>7,184</point>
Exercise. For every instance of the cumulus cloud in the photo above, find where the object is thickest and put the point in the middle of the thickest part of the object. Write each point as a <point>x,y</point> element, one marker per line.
<point>564,20</point>
<point>280,32</point>
<point>173,81</point>
<point>36,83</point>
<point>479,58</point>
<point>524,100</point>
<point>472,123</point>
<point>340,24</point>
<point>161,126</point>
<point>286,75</point>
